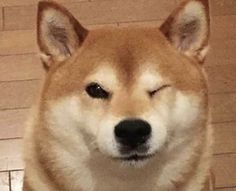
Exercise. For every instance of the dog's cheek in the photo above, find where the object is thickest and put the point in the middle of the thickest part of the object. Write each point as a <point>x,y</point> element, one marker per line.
<point>63,115</point>
<point>158,118</point>
<point>88,115</point>
<point>105,137</point>
<point>159,133</point>
<point>186,111</point>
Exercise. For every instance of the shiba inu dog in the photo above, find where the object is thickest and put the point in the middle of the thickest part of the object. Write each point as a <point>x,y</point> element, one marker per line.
<point>122,108</point>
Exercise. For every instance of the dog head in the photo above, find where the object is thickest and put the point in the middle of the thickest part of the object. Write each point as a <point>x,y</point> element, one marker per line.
<point>132,92</point>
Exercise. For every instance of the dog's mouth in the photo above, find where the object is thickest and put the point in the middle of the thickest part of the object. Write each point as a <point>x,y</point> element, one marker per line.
<point>136,157</point>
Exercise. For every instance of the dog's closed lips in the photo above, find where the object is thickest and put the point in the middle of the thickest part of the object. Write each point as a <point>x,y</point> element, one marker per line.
<point>136,157</point>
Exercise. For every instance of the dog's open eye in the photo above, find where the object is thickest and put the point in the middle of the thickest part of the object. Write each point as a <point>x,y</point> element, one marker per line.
<point>152,93</point>
<point>94,90</point>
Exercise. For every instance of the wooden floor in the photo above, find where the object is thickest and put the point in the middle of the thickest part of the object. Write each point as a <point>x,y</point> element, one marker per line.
<point>21,73</point>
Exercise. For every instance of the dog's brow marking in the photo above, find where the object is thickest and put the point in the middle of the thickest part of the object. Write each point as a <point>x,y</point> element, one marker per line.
<point>104,76</point>
<point>150,80</point>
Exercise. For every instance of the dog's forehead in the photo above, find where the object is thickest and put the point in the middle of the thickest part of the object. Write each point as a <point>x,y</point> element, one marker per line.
<point>126,50</point>
<point>125,45</point>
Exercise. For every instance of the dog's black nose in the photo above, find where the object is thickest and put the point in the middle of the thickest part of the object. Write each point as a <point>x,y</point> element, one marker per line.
<point>133,132</point>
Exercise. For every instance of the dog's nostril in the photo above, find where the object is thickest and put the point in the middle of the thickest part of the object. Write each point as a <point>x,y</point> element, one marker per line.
<point>132,132</point>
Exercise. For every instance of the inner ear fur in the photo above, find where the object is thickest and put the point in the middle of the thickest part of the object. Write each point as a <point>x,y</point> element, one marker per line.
<point>187,28</point>
<point>59,34</point>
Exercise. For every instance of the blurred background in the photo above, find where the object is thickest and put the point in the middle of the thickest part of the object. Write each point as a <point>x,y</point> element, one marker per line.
<point>21,72</point>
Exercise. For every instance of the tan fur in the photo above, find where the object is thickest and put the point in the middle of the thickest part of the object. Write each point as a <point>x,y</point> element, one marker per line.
<point>67,139</point>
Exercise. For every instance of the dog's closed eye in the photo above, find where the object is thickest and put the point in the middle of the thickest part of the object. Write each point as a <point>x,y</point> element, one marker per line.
<point>153,92</point>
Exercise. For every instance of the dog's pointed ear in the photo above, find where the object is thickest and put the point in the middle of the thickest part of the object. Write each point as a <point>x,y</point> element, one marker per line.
<point>187,28</point>
<point>59,34</point>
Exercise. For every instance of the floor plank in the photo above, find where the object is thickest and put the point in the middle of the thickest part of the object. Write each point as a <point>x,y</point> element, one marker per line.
<point>223,107</point>
<point>222,78</point>
<point>4,181</point>
<point>21,67</point>
<point>222,52</point>
<point>97,26</point>
<point>225,137</point>
<point>8,3</point>
<point>220,24</point>
<point>223,7</point>
<point>224,170</point>
<point>94,12</point>
<point>155,23</point>
<point>26,17</point>
<point>12,123</point>
<point>226,189</point>
<point>18,94</point>
<point>1,18</point>
<point>11,154</point>
<point>16,180</point>
<point>22,42</point>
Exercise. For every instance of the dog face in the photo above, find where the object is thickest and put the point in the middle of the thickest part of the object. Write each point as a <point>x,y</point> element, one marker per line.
<point>131,92</point>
